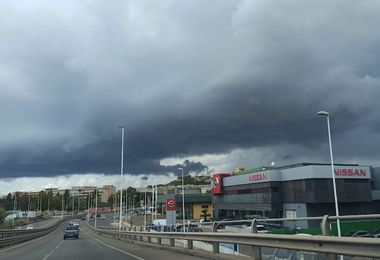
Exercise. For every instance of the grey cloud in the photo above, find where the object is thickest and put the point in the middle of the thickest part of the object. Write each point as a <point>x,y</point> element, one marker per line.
<point>186,79</point>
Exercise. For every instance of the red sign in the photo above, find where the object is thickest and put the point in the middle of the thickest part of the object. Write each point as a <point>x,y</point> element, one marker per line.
<point>350,172</point>
<point>171,204</point>
<point>258,177</point>
<point>217,183</point>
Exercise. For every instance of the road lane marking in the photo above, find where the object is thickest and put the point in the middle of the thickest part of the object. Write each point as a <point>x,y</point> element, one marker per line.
<point>114,248</point>
<point>60,243</point>
<point>52,251</point>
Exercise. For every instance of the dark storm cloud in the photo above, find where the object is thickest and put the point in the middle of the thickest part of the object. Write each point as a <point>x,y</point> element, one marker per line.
<point>186,78</point>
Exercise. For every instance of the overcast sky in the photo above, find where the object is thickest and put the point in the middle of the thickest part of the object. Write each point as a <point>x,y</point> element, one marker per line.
<point>221,84</point>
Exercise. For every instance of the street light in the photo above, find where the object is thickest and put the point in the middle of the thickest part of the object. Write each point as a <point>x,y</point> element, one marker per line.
<point>183,201</point>
<point>145,206</point>
<point>121,175</point>
<point>327,115</point>
<point>96,205</point>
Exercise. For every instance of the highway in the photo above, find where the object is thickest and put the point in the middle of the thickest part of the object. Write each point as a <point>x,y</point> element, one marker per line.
<point>88,246</point>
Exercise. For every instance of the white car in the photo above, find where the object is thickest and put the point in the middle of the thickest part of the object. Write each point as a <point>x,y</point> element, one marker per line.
<point>260,229</point>
<point>29,227</point>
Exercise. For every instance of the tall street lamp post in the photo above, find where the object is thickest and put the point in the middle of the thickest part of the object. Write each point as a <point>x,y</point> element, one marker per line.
<point>96,205</point>
<point>183,202</point>
<point>327,115</point>
<point>121,175</point>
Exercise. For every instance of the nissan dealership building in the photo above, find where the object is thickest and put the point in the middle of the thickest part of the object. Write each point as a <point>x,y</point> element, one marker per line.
<point>298,190</point>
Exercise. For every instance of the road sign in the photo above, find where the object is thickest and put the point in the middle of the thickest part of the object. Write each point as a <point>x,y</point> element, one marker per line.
<point>171,204</point>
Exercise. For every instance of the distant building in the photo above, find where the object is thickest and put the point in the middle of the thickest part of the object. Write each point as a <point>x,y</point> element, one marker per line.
<point>54,191</point>
<point>194,204</point>
<point>189,189</point>
<point>106,191</point>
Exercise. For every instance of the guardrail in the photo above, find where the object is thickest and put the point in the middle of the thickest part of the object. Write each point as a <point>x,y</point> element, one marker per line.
<point>10,237</point>
<point>329,246</point>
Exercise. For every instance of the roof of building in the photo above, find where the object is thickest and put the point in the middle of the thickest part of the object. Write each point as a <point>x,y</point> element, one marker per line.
<point>266,168</point>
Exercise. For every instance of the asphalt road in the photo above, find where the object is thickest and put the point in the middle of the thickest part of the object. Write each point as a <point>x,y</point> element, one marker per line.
<point>88,246</point>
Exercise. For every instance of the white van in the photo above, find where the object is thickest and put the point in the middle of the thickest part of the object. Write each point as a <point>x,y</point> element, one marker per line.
<point>159,222</point>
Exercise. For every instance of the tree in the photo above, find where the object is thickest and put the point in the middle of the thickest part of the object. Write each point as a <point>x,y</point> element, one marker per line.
<point>3,214</point>
<point>205,215</point>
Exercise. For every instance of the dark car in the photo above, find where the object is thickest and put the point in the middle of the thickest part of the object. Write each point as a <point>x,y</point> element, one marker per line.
<point>376,233</point>
<point>71,232</point>
<point>188,228</point>
<point>361,233</point>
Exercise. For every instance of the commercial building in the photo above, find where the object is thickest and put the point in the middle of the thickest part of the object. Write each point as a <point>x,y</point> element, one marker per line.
<point>298,190</point>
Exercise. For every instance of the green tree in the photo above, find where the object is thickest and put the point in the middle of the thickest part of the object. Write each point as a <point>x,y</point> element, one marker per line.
<point>3,214</point>
<point>205,215</point>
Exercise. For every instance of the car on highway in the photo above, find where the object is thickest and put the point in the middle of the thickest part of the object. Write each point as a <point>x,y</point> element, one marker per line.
<point>102,217</point>
<point>29,227</point>
<point>71,232</point>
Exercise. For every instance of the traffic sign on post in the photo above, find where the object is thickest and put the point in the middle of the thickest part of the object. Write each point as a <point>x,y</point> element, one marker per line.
<point>171,204</point>
<point>171,207</point>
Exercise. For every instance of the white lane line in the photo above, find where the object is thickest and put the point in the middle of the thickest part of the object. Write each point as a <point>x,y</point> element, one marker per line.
<point>52,251</point>
<point>46,256</point>
<point>114,248</point>
<point>60,243</point>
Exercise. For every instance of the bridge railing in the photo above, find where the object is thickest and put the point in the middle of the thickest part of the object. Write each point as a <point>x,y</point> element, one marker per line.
<point>325,244</point>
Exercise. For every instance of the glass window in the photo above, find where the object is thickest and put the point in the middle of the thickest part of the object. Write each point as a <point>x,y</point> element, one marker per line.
<point>204,206</point>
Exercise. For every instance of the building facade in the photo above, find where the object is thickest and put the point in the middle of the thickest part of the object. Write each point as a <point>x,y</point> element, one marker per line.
<point>299,190</point>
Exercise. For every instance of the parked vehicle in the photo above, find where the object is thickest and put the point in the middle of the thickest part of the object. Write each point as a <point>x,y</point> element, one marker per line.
<point>260,229</point>
<point>360,233</point>
<point>188,228</point>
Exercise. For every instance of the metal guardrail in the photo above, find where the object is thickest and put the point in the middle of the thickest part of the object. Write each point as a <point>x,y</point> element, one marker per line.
<point>10,237</point>
<point>330,246</point>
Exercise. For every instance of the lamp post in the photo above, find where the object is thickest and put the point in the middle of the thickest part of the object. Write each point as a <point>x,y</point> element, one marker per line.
<point>121,175</point>
<point>183,202</point>
<point>145,209</point>
<point>327,115</point>
<point>62,208</point>
<point>96,205</point>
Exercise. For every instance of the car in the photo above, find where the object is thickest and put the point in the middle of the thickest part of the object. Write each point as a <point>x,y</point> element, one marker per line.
<point>188,228</point>
<point>75,224</point>
<point>83,217</point>
<point>360,233</point>
<point>102,217</point>
<point>71,232</point>
<point>29,227</point>
<point>260,229</point>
